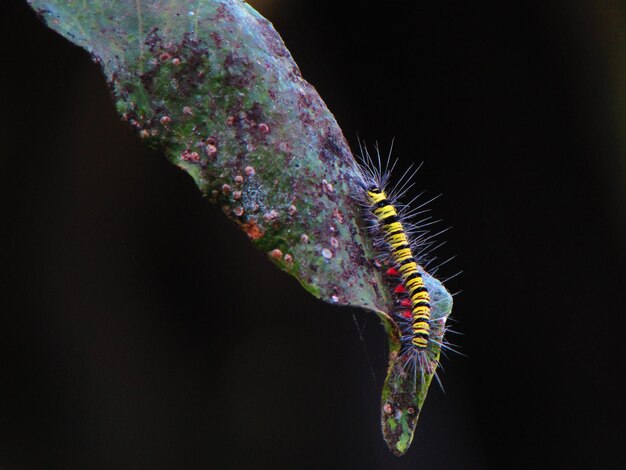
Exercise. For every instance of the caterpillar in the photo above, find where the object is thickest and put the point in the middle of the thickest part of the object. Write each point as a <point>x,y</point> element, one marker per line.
<point>404,247</point>
<point>402,256</point>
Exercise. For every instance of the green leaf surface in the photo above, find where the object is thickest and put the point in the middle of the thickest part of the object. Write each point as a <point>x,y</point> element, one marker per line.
<point>211,84</point>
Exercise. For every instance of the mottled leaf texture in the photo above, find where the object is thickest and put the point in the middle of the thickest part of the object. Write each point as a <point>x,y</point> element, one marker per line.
<point>211,84</point>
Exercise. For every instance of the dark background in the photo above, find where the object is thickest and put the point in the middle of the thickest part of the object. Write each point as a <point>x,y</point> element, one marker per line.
<point>140,329</point>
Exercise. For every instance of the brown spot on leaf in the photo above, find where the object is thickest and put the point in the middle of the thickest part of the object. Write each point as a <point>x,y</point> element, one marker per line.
<point>252,229</point>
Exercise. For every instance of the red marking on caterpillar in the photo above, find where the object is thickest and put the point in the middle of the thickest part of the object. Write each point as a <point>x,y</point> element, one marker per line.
<point>400,289</point>
<point>393,272</point>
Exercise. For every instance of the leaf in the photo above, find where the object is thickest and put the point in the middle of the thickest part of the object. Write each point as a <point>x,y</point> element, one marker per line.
<point>212,85</point>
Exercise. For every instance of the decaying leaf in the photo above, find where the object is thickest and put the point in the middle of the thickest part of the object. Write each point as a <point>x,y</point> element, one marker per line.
<point>212,85</point>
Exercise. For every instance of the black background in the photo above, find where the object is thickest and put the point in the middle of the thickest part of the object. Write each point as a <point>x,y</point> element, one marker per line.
<point>140,329</point>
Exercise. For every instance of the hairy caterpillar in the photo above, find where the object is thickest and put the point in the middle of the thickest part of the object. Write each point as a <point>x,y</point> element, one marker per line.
<point>402,256</point>
<point>404,248</point>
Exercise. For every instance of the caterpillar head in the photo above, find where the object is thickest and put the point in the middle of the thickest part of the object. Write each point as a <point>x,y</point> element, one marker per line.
<point>375,194</point>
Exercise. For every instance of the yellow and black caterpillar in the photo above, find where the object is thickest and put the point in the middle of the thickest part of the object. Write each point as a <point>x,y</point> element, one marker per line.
<point>402,257</point>
<point>404,248</point>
